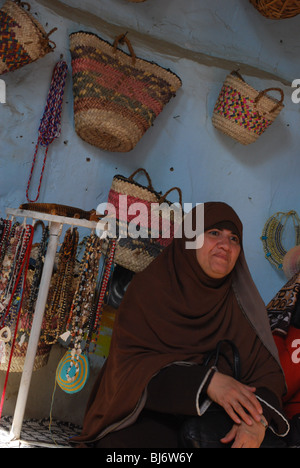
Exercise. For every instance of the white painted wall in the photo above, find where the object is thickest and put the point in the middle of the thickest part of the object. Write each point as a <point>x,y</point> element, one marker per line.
<point>201,42</point>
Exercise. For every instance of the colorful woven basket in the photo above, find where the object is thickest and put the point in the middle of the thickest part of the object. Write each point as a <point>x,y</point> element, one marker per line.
<point>22,38</point>
<point>155,228</point>
<point>244,113</point>
<point>116,95</point>
<point>277,9</point>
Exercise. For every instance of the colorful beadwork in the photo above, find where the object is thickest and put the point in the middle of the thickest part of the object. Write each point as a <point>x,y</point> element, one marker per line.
<point>272,236</point>
<point>50,125</point>
<point>232,105</point>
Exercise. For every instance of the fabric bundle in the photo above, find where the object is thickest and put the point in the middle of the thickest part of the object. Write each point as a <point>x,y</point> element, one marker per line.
<point>22,38</point>
<point>244,113</point>
<point>117,96</point>
<point>141,236</point>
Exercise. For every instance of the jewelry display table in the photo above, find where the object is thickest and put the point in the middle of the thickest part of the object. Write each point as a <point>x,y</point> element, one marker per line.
<point>56,224</point>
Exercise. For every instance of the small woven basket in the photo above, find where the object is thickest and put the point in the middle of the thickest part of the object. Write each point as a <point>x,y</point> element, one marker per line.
<point>277,9</point>
<point>244,113</point>
<point>22,38</point>
<point>116,95</point>
<point>136,253</point>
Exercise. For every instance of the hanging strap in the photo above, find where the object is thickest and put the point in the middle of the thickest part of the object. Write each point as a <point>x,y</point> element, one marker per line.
<point>50,126</point>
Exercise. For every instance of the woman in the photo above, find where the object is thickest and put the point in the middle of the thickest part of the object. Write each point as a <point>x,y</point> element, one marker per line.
<point>173,315</point>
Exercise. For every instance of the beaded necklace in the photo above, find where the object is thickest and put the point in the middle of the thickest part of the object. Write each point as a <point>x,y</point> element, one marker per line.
<point>81,311</point>
<point>102,284</point>
<point>272,236</point>
<point>14,289</point>
<point>18,287</point>
<point>26,320</point>
<point>50,126</point>
<point>61,290</point>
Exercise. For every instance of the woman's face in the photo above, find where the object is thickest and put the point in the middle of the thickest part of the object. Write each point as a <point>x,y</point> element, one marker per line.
<point>219,253</point>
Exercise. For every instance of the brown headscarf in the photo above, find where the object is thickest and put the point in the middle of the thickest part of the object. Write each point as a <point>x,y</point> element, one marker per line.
<point>173,312</point>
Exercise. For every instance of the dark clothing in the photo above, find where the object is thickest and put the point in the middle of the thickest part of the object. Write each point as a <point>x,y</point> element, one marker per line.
<point>173,314</point>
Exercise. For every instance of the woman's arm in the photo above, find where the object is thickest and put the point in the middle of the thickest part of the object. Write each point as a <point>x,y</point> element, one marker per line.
<point>238,400</point>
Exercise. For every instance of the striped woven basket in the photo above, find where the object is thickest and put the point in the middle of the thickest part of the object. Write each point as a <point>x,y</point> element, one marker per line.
<point>22,38</point>
<point>116,95</point>
<point>136,253</point>
<point>244,113</point>
<point>277,9</point>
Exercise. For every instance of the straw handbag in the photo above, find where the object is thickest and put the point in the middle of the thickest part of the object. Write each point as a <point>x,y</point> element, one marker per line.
<point>116,95</point>
<point>277,9</point>
<point>22,38</point>
<point>136,253</point>
<point>244,113</point>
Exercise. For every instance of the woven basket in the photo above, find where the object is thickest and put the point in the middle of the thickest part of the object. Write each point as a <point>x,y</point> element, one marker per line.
<point>19,355</point>
<point>22,39</point>
<point>244,113</point>
<point>136,254</point>
<point>116,95</point>
<point>277,9</point>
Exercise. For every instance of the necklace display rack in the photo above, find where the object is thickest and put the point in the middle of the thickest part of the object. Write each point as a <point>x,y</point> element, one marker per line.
<point>56,224</point>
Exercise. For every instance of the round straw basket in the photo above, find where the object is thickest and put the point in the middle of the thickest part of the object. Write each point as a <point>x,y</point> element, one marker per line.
<point>244,113</point>
<point>117,96</point>
<point>22,38</point>
<point>277,9</point>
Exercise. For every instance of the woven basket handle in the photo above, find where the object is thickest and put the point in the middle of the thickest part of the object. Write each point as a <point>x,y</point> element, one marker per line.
<point>121,39</point>
<point>237,74</point>
<point>163,198</point>
<point>150,186</point>
<point>262,93</point>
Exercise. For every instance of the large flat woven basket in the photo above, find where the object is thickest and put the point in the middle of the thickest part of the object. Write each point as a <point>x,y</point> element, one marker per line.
<point>22,38</point>
<point>156,228</point>
<point>277,9</point>
<point>116,95</point>
<point>244,113</point>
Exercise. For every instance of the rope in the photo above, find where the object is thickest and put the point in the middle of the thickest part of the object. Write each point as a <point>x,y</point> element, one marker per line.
<point>50,126</point>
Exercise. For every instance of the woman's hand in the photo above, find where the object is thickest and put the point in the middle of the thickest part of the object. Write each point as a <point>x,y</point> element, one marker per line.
<point>235,398</point>
<point>245,436</point>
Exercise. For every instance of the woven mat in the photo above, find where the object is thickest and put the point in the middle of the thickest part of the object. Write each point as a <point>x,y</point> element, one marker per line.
<point>37,434</point>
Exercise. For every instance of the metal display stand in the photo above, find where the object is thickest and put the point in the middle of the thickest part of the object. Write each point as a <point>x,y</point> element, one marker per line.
<point>56,224</point>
